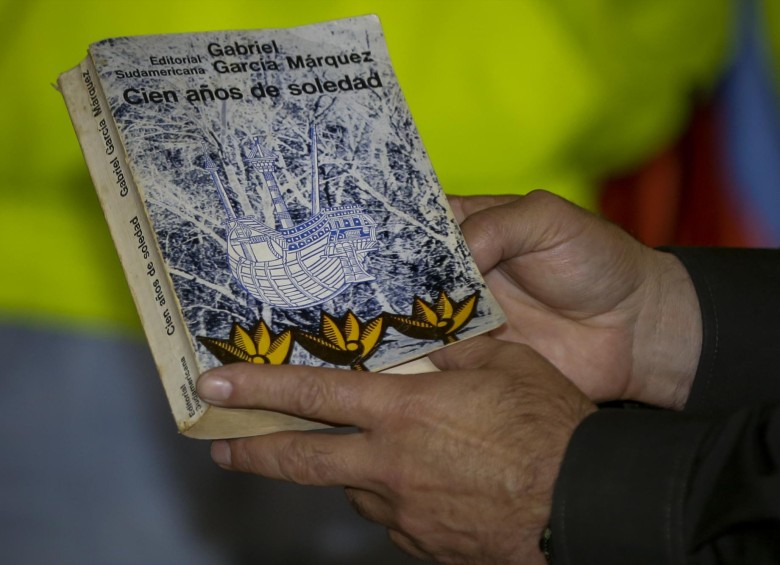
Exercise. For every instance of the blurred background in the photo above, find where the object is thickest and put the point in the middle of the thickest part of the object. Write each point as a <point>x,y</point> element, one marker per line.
<point>659,114</point>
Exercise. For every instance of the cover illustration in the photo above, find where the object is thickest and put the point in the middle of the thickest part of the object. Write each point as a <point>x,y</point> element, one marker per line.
<point>298,216</point>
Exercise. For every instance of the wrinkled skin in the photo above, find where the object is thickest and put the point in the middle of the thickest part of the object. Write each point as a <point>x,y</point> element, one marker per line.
<point>619,319</point>
<point>460,465</point>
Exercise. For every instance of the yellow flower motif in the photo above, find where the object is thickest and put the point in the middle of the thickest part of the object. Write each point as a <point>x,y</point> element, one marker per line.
<point>345,340</point>
<point>440,320</point>
<point>259,345</point>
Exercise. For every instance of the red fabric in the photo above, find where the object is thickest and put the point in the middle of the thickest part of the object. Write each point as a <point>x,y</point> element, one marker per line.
<point>683,195</point>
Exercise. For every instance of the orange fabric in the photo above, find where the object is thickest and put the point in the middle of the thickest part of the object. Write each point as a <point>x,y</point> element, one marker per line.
<point>683,195</point>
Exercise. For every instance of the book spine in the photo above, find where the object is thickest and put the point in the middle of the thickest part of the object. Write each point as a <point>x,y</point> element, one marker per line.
<point>128,222</point>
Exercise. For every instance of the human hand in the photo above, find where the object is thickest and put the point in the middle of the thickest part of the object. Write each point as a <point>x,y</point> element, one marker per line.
<point>619,319</point>
<point>458,465</point>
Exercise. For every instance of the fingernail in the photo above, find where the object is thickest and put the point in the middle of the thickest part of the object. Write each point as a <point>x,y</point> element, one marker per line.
<point>220,453</point>
<point>214,388</point>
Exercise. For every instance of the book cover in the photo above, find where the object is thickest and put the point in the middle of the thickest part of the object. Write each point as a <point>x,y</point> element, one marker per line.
<point>272,202</point>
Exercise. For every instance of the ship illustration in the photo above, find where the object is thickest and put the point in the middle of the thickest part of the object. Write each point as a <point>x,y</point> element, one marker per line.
<point>295,265</point>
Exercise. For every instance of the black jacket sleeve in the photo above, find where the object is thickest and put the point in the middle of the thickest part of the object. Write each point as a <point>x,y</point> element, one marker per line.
<point>739,296</point>
<point>702,486</point>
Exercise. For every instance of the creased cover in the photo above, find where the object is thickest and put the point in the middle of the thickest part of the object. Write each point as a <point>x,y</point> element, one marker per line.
<point>298,216</point>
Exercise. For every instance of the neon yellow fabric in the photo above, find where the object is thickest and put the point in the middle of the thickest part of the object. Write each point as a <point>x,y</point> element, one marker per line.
<point>508,95</point>
<point>770,12</point>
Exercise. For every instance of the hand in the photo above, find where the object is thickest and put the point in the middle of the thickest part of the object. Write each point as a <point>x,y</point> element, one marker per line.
<point>619,319</point>
<point>458,465</point>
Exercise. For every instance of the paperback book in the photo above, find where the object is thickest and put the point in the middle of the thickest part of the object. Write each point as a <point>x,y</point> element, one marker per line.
<point>271,202</point>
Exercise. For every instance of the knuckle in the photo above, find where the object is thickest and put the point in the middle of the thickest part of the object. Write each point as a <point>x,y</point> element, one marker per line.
<point>309,397</point>
<point>243,457</point>
<point>406,523</point>
<point>482,228</point>
<point>358,500</point>
<point>291,460</point>
<point>415,530</point>
<point>542,197</point>
<point>301,462</point>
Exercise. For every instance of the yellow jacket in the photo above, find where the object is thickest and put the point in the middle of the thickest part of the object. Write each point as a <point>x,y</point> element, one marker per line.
<point>558,92</point>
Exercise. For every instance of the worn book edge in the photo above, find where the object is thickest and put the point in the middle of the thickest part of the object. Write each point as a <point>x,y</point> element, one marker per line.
<point>173,354</point>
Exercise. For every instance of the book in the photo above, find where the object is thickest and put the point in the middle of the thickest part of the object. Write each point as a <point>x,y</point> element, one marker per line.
<point>271,201</point>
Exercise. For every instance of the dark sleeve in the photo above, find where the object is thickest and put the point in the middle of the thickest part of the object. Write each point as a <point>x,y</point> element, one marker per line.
<point>699,487</point>
<point>739,296</point>
<point>653,487</point>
